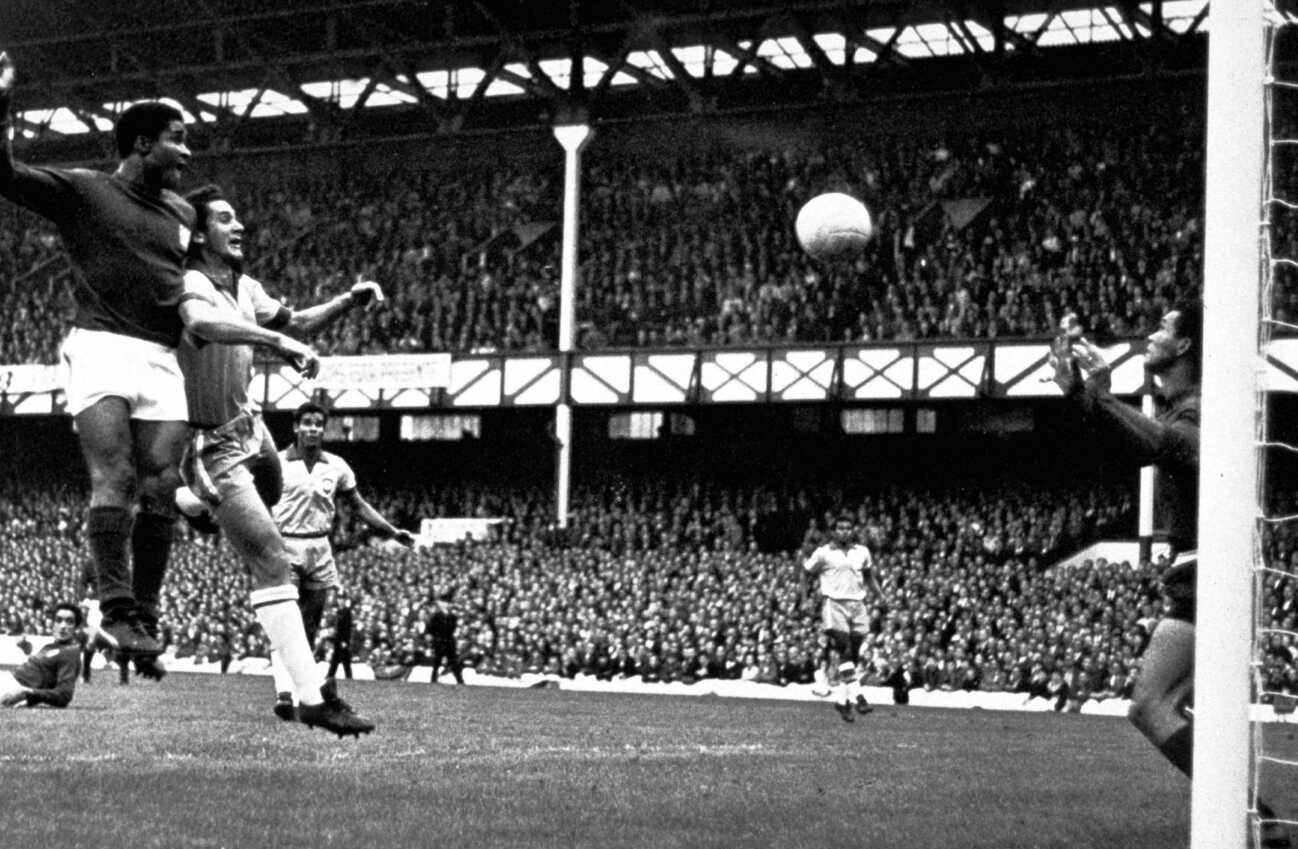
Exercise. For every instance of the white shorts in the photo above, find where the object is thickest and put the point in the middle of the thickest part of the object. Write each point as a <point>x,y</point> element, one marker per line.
<point>93,615</point>
<point>846,615</point>
<point>313,563</point>
<point>9,686</point>
<point>98,364</point>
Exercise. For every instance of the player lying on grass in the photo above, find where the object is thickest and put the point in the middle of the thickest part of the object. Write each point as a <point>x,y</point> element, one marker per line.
<point>49,675</point>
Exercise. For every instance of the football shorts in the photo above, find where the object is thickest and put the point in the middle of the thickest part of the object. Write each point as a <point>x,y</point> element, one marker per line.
<point>846,615</point>
<point>98,364</point>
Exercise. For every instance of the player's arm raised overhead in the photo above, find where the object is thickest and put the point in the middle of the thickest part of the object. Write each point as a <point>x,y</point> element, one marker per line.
<point>40,190</point>
<point>303,322</point>
<point>207,319</point>
<point>373,518</point>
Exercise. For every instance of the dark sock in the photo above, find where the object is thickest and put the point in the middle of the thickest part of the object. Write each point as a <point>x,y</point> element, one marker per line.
<point>150,550</point>
<point>1179,749</point>
<point>312,604</point>
<point>107,530</point>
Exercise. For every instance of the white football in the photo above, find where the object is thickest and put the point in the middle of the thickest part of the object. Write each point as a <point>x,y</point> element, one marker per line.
<point>833,226</point>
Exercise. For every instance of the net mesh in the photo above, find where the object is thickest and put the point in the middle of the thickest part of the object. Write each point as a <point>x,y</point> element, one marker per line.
<point>1275,640</point>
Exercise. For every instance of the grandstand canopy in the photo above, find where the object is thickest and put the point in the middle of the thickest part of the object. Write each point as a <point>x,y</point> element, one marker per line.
<point>272,72</point>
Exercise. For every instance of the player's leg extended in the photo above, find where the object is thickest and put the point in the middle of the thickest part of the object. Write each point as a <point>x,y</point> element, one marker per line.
<point>253,535</point>
<point>104,431</point>
<point>1161,690</point>
<point>299,556</point>
<point>158,446</point>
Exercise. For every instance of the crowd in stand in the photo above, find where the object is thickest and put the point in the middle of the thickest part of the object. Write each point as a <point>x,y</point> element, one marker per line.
<point>668,584</point>
<point>699,249</point>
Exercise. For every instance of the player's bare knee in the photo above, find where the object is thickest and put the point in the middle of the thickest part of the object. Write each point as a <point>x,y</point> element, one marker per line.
<point>1154,717</point>
<point>113,479</point>
<point>268,569</point>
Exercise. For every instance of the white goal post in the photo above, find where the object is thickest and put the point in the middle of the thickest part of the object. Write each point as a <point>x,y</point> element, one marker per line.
<point>1228,478</point>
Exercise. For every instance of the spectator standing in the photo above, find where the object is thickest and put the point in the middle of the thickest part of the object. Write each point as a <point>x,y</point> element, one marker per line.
<point>442,626</point>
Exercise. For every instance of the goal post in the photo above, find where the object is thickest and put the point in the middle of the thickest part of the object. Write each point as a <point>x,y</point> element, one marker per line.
<point>1228,477</point>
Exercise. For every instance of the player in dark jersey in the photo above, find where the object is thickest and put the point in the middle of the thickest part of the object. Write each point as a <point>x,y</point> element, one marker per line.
<point>126,233</point>
<point>49,675</point>
<point>1170,441</point>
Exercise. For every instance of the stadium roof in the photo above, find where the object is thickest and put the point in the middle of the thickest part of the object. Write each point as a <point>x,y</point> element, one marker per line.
<point>328,70</point>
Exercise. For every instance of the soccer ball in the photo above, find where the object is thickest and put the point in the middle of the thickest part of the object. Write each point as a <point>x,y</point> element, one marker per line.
<point>833,226</point>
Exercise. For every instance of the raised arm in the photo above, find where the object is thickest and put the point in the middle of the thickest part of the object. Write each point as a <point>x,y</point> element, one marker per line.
<point>1084,376</point>
<point>43,190</point>
<point>365,293</point>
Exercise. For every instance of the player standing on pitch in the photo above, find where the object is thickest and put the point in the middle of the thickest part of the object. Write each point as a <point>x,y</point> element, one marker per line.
<point>230,444</point>
<point>314,479</point>
<point>1170,441</point>
<point>126,233</point>
<point>845,570</point>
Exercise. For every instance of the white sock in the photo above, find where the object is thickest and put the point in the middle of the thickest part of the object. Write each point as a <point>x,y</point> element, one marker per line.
<point>283,681</point>
<point>278,613</point>
<point>847,679</point>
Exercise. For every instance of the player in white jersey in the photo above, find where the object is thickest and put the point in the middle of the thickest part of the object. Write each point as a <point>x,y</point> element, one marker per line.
<point>845,571</point>
<point>314,481</point>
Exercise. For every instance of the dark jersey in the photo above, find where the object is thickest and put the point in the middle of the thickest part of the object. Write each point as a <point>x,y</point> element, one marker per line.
<point>442,625</point>
<point>1171,442</point>
<point>127,243</point>
<point>343,626</point>
<point>51,673</point>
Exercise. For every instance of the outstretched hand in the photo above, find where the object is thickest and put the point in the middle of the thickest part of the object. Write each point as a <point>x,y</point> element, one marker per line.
<point>6,78</point>
<point>367,293</point>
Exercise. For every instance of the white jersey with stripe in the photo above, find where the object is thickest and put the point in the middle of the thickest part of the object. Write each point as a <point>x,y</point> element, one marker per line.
<point>842,570</point>
<point>307,506</point>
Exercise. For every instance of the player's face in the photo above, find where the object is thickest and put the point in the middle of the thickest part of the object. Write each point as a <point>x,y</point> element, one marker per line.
<point>1165,343</point>
<point>64,624</point>
<point>224,232</point>
<point>843,532</point>
<point>168,158</point>
<point>310,430</point>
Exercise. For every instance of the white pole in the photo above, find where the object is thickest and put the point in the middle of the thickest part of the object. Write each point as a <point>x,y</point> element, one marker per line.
<point>573,138</point>
<point>1228,467</point>
<point>1145,518</point>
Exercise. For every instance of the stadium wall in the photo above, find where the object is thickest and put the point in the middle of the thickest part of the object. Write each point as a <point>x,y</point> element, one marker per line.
<point>11,655</point>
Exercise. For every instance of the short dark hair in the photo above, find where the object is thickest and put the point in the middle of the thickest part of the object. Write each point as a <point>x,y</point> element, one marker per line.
<point>199,199</point>
<point>845,516</point>
<point>1189,325</point>
<point>72,608</point>
<point>147,118</point>
<point>309,407</point>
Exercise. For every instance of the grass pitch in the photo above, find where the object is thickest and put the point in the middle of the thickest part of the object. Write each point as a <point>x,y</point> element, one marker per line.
<point>200,761</point>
